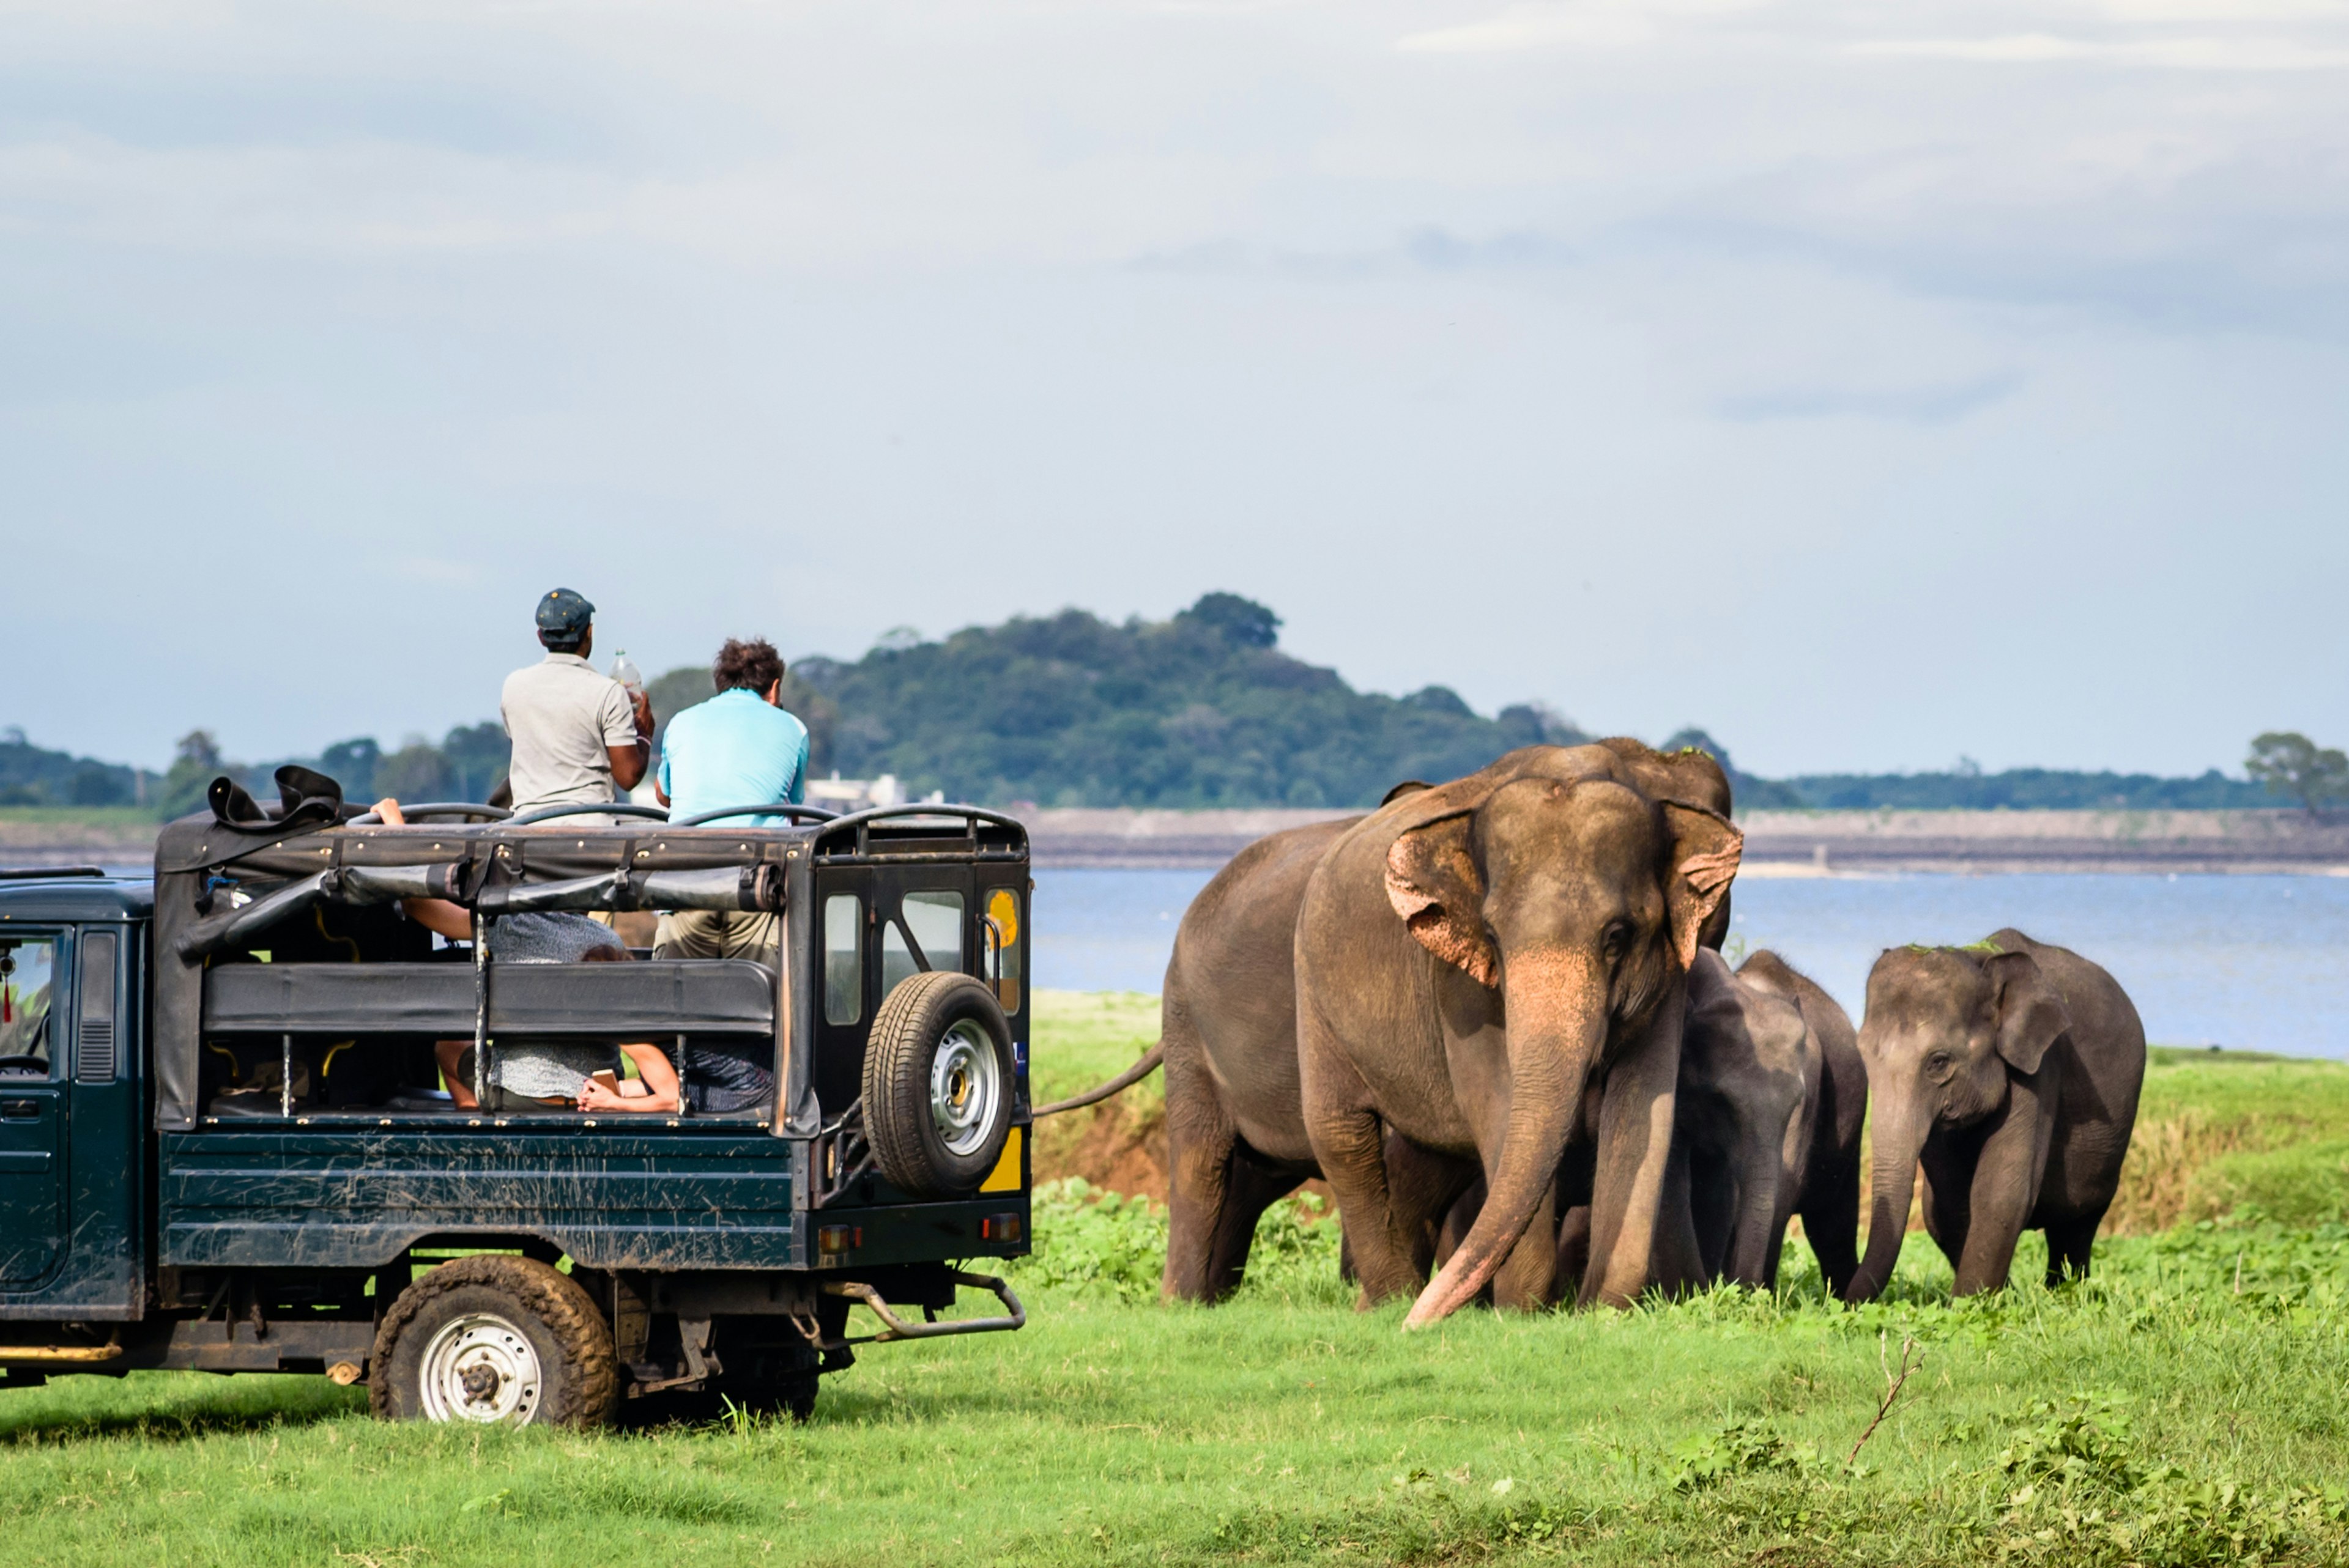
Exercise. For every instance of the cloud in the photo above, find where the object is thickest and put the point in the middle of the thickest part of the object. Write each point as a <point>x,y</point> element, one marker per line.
<point>1938,404</point>
<point>2204,54</point>
<point>1534,27</point>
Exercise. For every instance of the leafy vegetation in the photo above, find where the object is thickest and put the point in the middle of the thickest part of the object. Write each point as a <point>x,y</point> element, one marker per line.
<point>1202,709</point>
<point>31,776</point>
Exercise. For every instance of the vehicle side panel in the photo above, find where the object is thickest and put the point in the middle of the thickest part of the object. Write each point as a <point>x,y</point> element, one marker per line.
<point>354,1197</point>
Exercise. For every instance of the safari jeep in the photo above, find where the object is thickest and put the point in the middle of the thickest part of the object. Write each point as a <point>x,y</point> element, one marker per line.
<point>226,1142</point>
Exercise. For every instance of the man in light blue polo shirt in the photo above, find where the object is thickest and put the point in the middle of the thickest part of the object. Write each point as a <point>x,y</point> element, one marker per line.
<point>739,749</point>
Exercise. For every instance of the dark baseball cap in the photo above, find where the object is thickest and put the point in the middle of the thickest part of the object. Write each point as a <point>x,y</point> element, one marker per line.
<point>565,612</point>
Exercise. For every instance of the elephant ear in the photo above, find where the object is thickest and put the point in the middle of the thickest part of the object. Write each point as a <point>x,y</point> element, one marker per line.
<point>1433,883</point>
<point>2031,1016</point>
<point>1705,848</point>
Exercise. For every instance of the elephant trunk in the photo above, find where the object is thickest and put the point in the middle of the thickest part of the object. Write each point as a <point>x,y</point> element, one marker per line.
<point>1899,1140</point>
<point>1556,1011</point>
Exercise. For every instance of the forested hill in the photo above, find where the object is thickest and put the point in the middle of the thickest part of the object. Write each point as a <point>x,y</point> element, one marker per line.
<point>1202,709</point>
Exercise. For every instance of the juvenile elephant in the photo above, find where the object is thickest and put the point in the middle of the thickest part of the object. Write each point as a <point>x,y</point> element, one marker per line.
<point>1830,1199</point>
<point>2009,1071</point>
<point>1772,1096</point>
<point>1471,959</point>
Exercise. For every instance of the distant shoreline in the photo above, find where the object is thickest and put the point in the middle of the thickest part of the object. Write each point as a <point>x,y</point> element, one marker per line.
<point>1807,843</point>
<point>1777,843</point>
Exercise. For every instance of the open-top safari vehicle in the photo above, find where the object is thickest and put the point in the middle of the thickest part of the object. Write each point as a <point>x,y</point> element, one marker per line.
<point>224,1141</point>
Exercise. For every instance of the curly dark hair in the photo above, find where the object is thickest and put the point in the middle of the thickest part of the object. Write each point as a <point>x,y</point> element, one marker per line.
<point>753,665</point>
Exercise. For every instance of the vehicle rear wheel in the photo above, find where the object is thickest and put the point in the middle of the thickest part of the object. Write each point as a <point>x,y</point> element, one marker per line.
<point>495,1339</point>
<point>938,1084</point>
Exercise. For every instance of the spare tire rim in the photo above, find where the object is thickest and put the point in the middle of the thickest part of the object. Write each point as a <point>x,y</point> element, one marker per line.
<point>966,1086</point>
<point>481,1367</point>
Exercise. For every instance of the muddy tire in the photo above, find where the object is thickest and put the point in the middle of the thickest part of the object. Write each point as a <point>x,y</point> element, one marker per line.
<point>938,1084</point>
<point>495,1339</point>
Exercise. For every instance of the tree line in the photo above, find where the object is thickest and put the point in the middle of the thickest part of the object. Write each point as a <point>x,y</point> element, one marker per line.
<point>1201,709</point>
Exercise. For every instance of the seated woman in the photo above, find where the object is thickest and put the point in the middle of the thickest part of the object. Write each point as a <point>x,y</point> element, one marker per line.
<point>532,1073</point>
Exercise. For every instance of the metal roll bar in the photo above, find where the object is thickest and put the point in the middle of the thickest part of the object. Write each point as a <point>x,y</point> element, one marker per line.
<point>772,809</point>
<point>971,817</point>
<point>468,808</point>
<point>584,809</point>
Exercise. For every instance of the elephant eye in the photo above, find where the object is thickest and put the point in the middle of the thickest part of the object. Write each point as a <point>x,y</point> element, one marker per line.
<point>1938,1062</point>
<point>1612,941</point>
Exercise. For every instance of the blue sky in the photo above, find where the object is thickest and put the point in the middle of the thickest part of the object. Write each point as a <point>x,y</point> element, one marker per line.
<point>1868,384</point>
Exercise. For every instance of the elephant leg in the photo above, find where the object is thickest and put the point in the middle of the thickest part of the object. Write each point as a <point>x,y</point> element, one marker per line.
<point>1946,1200</point>
<point>1251,1185</point>
<point>2069,1242</point>
<point>1679,1266</point>
<point>1527,1279</point>
<point>1200,1143</point>
<point>1573,1243</point>
<point>1831,1221</point>
<point>1457,1221</point>
<point>1422,1186</point>
<point>2005,1189</point>
<point>1635,1146</point>
<point>1348,1142</point>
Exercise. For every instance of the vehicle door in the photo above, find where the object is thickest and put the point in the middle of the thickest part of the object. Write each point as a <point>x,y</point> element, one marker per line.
<point>880,924</point>
<point>33,965</point>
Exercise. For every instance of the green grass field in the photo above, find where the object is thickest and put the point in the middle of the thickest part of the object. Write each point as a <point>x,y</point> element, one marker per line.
<point>2190,1405</point>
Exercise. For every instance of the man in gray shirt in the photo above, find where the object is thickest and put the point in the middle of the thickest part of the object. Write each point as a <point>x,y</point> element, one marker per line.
<point>578,739</point>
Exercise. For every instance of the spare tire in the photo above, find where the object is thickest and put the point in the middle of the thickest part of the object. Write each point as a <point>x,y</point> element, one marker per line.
<point>938,1084</point>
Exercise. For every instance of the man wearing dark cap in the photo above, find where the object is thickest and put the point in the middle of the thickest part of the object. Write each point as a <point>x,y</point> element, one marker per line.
<point>577,738</point>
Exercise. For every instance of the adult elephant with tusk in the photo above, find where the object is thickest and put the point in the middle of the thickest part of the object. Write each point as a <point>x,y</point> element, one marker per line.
<point>2009,1072</point>
<point>1470,960</point>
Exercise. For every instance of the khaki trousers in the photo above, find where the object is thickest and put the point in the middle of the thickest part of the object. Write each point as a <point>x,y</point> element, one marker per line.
<point>718,934</point>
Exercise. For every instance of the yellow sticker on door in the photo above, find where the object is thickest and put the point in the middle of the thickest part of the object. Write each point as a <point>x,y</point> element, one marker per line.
<point>1005,1177</point>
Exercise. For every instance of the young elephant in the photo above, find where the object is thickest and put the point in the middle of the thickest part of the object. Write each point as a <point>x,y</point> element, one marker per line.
<point>1750,1074</point>
<point>1828,1195</point>
<point>2010,1072</point>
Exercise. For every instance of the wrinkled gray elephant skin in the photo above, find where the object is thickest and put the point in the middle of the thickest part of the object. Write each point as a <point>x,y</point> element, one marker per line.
<point>1236,1137</point>
<point>1471,960</point>
<point>2008,1072</point>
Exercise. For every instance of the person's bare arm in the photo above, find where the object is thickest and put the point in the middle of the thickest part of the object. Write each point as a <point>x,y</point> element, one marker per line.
<point>629,762</point>
<point>658,1077</point>
<point>452,921</point>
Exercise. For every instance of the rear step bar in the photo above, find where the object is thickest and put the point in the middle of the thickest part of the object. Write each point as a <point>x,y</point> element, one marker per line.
<point>896,1327</point>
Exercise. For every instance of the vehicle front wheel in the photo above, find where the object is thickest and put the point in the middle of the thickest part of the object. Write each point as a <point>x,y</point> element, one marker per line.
<point>495,1339</point>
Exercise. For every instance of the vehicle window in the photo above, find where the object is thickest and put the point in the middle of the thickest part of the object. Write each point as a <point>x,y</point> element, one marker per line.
<point>935,921</point>
<point>844,954</point>
<point>1003,911</point>
<point>28,967</point>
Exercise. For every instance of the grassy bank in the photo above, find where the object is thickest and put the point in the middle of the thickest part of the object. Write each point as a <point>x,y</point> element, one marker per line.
<point>2185,1407</point>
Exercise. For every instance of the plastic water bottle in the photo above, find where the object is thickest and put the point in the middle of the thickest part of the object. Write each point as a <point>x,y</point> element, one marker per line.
<point>624,671</point>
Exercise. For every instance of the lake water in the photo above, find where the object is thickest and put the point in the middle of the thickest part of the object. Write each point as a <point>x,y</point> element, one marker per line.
<point>2250,963</point>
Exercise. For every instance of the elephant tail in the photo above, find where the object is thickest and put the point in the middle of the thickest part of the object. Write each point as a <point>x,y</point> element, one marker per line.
<point>1118,1084</point>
